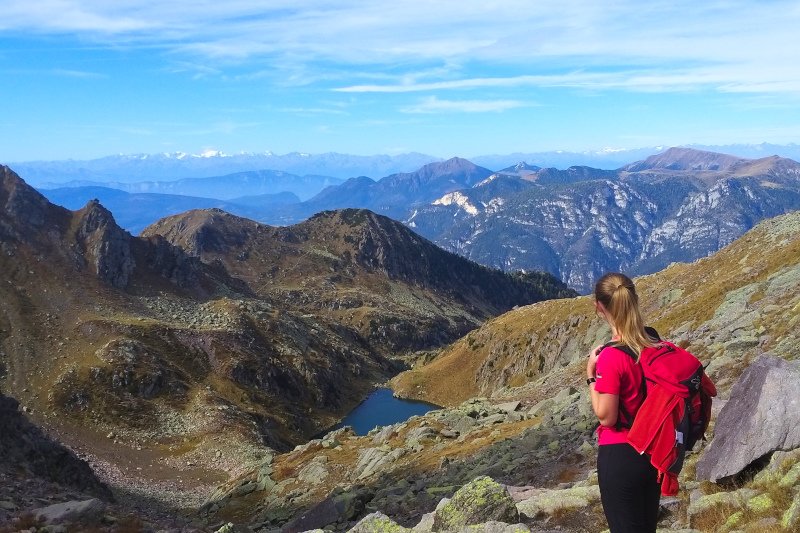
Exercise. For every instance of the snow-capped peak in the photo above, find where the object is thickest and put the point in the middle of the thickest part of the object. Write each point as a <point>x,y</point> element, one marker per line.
<point>211,153</point>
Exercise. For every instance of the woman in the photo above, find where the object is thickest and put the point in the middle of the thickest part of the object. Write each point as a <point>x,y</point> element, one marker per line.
<point>629,489</point>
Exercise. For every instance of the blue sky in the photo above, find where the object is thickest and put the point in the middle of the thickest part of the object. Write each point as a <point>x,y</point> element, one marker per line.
<point>87,78</point>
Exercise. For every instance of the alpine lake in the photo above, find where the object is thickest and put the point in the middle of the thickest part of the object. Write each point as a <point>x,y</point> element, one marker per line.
<point>381,408</point>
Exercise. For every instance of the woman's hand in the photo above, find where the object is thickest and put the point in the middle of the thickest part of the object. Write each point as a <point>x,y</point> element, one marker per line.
<point>591,362</point>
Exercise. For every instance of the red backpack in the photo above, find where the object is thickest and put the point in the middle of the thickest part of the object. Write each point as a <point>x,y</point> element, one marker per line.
<point>676,410</point>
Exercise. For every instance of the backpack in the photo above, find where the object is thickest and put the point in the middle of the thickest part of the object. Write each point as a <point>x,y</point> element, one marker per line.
<point>671,374</point>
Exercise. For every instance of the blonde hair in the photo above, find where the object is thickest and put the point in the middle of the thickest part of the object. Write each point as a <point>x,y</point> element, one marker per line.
<point>618,295</point>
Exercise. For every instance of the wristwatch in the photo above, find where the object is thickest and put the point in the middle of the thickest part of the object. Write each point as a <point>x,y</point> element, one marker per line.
<point>589,381</point>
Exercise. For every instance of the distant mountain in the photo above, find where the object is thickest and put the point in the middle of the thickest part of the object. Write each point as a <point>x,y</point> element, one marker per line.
<point>175,166</point>
<point>561,159</point>
<point>225,187</point>
<point>616,158</point>
<point>136,211</point>
<point>577,225</point>
<point>393,195</point>
<point>685,159</point>
<point>723,308</point>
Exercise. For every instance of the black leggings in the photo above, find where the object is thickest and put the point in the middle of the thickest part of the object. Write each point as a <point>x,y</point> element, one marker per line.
<point>629,489</point>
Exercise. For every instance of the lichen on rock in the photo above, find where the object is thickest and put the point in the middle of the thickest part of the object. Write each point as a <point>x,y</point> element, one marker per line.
<point>479,501</point>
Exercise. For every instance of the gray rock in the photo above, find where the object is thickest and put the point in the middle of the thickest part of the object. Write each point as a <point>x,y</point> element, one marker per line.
<point>508,407</point>
<point>377,523</point>
<point>86,512</point>
<point>494,419</point>
<point>335,508</point>
<point>314,472</point>
<point>493,526</point>
<point>372,460</point>
<point>420,433</point>
<point>700,503</point>
<point>8,506</point>
<point>762,416</point>
<point>791,518</point>
<point>551,501</point>
<point>384,434</point>
<point>425,525</point>
<point>477,502</point>
<point>448,433</point>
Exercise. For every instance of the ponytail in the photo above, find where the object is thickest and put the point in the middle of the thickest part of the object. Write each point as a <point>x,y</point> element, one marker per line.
<point>618,295</point>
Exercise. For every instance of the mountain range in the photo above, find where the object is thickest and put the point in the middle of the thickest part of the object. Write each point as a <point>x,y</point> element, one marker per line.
<point>677,205</point>
<point>210,336</point>
<point>178,165</point>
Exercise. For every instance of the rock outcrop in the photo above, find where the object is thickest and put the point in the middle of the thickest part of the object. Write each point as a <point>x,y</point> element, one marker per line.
<point>761,417</point>
<point>106,246</point>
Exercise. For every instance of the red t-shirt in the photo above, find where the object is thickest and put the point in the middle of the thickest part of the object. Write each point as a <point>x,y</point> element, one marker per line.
<point>617,373</point>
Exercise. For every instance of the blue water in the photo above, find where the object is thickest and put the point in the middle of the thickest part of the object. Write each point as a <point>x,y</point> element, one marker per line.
<point>380,408</point>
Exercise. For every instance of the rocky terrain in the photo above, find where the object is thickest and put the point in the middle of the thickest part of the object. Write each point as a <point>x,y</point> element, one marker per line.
<point>394,289</point>
<point>189,367</point>
<point>168,372</point>
<point>518,412</point>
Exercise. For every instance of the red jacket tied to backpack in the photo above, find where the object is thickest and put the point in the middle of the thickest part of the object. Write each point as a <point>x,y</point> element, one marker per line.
<point>676,410</point>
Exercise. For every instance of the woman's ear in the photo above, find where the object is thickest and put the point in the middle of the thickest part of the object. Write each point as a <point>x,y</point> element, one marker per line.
<point>600,311</point>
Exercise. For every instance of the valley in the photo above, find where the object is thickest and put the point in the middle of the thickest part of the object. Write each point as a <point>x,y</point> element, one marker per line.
<point>197,366</point>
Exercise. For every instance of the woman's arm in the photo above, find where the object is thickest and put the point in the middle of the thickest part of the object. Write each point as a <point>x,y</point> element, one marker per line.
<point>605,406</point>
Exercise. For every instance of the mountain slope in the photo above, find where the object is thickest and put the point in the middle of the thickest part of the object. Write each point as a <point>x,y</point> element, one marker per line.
<point>686,159</point>
<point>726,308</point>
<point>526,416</point>
<point>398,290</point>
<point>103,333</point>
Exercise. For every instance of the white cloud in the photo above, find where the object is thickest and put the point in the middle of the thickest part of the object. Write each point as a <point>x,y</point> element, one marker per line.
<point>730,46</point>
<point>435,105</point>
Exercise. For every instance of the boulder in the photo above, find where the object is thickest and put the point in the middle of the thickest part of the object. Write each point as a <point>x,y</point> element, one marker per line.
<point>508,407</point>
<point>493,526</point>
<point>551,501</point>
<point>313,473</point>
<point>479,501</point>
<point>762,416</point>
<point>377,523</point>
<point>88,511</point>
